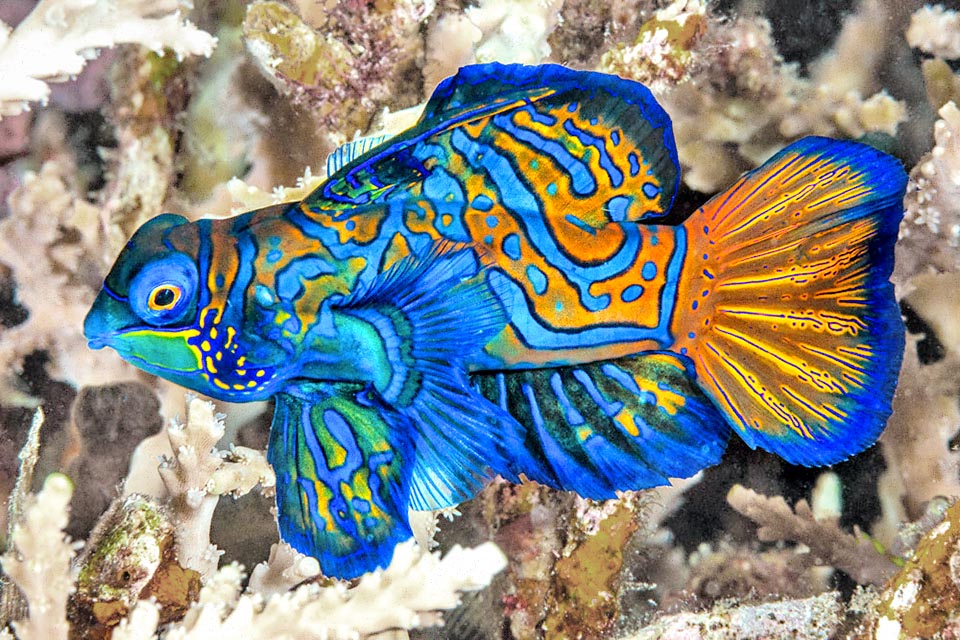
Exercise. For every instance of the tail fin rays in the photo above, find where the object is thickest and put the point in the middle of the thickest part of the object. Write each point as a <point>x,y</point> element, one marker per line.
<point>788,312</point>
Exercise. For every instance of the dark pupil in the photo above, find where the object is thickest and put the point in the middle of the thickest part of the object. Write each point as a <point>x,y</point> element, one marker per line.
<point>163,297</point>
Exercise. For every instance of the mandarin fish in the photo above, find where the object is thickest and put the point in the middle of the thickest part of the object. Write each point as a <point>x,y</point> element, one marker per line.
<point>497,291</point>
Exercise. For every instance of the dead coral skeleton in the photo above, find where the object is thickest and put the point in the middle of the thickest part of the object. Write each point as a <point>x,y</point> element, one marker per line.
<point>55,41</point>
<point>410,593</point>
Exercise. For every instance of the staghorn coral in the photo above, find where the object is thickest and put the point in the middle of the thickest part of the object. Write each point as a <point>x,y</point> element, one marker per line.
<point>39,561</point>
<point>410,593</point>
<point>197,475</point>
<point>935,30</point>
<point>930,233</point>
<point>744,102</point>
<point>59,36</point>
<point>853,554</point>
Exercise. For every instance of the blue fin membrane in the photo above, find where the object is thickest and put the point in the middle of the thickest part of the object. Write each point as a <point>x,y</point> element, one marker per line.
<point>431,313</point>
<point>343,463</point>
<point>624,424</point>
<point>798,335</point>
<point>588,134</point>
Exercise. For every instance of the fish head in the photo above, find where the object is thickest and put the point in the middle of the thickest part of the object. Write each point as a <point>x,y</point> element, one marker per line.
<point>147,307</point>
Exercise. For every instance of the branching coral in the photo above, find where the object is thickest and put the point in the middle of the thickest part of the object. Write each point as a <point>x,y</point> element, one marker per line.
<point>409,593</point>
<point>39,561</point>
<point>853,554</point>
<point>47,240</point>
<point>936,31</point>
<point>197,475</point>
<point>931,225</point>
<point>56,40</point>
<point>744,102</point>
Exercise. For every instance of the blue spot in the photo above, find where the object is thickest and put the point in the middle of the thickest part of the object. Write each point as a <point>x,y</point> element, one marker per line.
<point>538,279</point>
<point>691,335</point>
<point>492,221</point>
<point>370,523</point>
<point>292,324</point>
<point>488,239</point>
<point>263,296</point>
<point>615,137</point>
<point>274,255</point>
<point>649,271</point>
<point>351,225</point>
<point>559,306</point>
<point>706,257</point>
<point>511,246</point>
<point>534,164</point>
<point>634,164</point>
<point>274,241</point>
<point>683,351</point>
<point>594,121</point>
<point>360,505</point>
<point>552,188</point>
<point>631,293</point>
<point>617,208</point>
<point>696,303</point>
<point>573,106</point>
<point>650,190</point>
<point>654,241</point>
<point>220,280</point>
<point>482,203</point>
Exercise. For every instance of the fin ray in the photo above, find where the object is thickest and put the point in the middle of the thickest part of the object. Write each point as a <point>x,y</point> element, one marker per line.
<point>601,427</point>
<point>789,315</point>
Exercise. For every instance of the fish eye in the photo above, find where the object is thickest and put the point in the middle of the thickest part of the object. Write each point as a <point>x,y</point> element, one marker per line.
<point>164,297</point>
<point>162,292</point>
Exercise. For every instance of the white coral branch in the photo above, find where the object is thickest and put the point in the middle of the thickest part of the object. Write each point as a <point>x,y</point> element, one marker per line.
<point>936,31</point>
<point>55,41</point>
<point>283,570</point>
<point>410,593</point>
<point>39,561</point>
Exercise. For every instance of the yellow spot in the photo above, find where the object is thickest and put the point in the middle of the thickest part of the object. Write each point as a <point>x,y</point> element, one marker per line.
<point>241,361</point>
<point>583,433</point>
<point>238,387</point>
<point>446,219</point>
<point>251,384</point>
<point>220,384</point>
<point>261,373</point>
<point>210,367</point>
<point>218,356</point>
<point>625,420</point>
<point>213,332</point>
<point>241,372</point>
<point>205,345</point>
<point>230,333</point>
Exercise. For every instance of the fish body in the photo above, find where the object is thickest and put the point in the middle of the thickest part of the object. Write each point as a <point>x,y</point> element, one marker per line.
<point>494,292</point>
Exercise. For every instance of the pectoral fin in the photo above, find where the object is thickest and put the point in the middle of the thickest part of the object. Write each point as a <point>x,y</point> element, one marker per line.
<point>343,462</point>
<point>432,313</point>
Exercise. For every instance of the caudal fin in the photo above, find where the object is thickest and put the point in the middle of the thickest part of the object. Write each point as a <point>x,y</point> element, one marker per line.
<point>786,308</point>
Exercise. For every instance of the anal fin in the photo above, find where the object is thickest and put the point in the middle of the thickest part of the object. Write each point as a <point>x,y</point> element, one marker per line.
<point>598,428</point>
<point>343,464</point>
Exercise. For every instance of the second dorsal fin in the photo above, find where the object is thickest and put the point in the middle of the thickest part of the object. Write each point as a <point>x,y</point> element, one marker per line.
<point>607,426</point>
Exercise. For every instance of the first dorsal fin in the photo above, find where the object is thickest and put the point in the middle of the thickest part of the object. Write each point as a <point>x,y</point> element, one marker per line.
<point>543,140</point>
